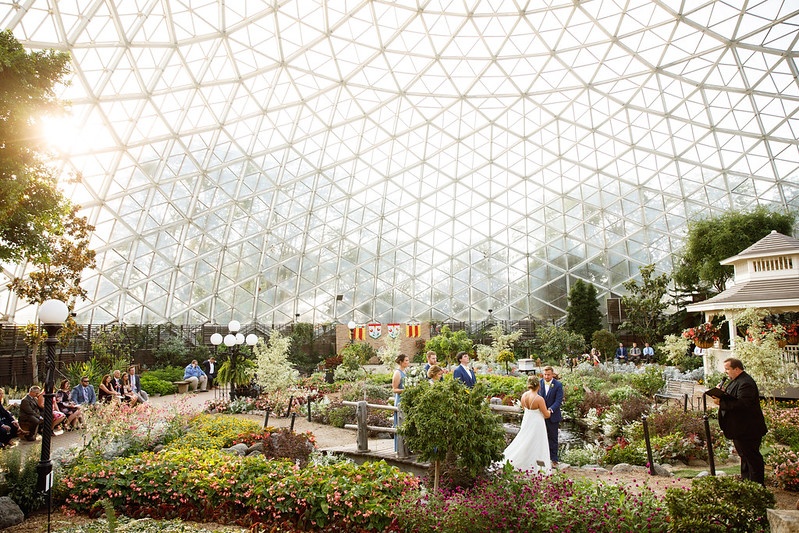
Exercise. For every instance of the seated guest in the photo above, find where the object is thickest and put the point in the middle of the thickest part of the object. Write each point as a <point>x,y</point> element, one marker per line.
<point>621,353</point>
<point>116,382</point>
<point>83,393</point>
<point>9,428</point>
<point>58,417</point>
<point>67,406</point>
<point>30,416</point>
<point>107,392</point>
<point>195,376</point>
<point>135,385</point>
<point>635,353</point>
<point>211,368</point>
<point>127,393</point>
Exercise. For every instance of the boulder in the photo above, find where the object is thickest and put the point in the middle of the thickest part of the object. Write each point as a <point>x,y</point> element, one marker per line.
<point>238,449</point>
<point>10,513</point>
<point>782,521</point>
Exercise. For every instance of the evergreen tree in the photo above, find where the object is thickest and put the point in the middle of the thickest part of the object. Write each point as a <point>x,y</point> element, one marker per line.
<point>583,315</point>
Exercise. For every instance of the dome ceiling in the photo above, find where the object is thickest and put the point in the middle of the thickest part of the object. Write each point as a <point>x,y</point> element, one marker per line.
<point>396,160</point>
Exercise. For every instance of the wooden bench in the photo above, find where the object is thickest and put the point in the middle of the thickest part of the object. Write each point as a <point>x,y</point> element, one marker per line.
<point>183,386</point>
<point>678,389</point>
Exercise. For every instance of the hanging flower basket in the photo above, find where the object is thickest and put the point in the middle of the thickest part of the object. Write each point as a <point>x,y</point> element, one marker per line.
<point>703,336</point>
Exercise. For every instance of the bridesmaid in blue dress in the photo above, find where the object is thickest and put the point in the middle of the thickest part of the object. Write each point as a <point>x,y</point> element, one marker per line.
<point>398,385</point>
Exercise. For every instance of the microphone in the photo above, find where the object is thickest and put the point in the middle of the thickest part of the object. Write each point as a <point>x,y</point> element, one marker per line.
<point>722,382</point>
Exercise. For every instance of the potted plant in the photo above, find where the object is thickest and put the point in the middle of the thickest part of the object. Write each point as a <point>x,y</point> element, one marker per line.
<point>330,366</point>
<point>704,335</point>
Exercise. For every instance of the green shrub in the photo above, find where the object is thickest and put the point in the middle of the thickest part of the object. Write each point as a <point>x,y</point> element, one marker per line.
<point>208,432</point>
<point>339,414</point>
<point>19,481</point>
<point>515,502</point>
<point>92,369</point>
<point>168,373</point>
<point>357,354</point>
<point>359,390</point>
<point>504,386</point>
<point>649,381</point>
<point>154,385</point>
<point>719,504</point>
<point>783,425</point>
<point>619,394</point>
<point>623,452</point>
<point>786,468</point>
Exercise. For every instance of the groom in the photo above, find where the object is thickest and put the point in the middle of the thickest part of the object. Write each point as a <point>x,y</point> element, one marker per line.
<point>552,391</point>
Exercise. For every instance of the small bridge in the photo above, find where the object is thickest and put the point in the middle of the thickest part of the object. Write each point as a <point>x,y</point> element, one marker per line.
<point>365,449</point>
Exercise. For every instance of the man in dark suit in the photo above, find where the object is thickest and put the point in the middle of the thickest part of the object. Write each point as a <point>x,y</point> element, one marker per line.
<point>211,369</point>
<point>83,392</point>
<point>621,353</point>
<point>552,391</point>
<point>30,416</point>
<point>741,419</point>
<point>463,372</point>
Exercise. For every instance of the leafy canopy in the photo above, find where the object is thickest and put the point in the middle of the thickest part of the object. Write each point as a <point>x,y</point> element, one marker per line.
<point>448,343</point>
<point>711,240</point>
<point>448,421</point>
<point>32,207</point>
<point>644,305</point>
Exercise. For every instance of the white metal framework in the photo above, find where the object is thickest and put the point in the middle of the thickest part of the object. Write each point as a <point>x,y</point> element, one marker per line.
<point>394,160</point>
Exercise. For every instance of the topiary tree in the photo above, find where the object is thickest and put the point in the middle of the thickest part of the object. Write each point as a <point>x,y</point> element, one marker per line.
<point>449,422</point>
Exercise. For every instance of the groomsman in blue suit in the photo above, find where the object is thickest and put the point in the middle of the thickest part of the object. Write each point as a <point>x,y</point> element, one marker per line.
<point>552,391</point>
<point>463,372</point>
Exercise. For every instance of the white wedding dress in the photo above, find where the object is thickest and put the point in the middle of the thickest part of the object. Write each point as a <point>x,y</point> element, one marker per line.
<point>530,449</point>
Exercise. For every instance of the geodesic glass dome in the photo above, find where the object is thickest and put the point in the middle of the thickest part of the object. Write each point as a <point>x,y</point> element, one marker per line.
<point>398,160</point>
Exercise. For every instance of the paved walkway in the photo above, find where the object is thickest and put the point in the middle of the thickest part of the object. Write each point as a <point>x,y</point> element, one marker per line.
<point>326,436</point>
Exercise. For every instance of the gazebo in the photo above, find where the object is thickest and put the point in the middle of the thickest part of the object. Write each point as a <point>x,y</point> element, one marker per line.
<point>766,276</point>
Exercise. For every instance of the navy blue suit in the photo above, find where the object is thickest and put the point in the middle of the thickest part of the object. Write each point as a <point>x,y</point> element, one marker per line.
<point>553,399</point>
<point>468,378</point>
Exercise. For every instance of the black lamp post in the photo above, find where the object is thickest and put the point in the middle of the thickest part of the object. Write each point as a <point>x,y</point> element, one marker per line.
<point>52,314</point>
<point>216,340</point>
<point>233,340</point>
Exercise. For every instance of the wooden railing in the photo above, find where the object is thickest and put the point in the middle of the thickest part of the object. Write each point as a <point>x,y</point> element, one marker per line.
<point>363,428</point>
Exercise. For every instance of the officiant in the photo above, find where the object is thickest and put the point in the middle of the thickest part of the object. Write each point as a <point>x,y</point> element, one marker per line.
<point>741,418</point>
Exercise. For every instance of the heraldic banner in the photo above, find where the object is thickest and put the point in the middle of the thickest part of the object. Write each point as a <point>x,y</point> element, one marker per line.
<point>375,330</point>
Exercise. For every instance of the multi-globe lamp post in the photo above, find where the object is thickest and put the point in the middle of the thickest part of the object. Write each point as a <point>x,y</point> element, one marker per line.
<point>233,340</point>
<point>52,315</point>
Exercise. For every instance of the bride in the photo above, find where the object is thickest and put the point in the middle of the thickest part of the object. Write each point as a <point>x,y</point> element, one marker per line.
<point>530,449</point>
